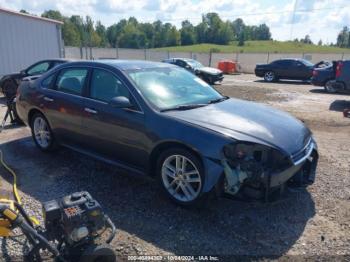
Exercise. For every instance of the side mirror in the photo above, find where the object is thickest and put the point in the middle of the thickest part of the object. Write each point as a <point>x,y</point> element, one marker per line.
<point>23,72</point>
<point>120,102</point>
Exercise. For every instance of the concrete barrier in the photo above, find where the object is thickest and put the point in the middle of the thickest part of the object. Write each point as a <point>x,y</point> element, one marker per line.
<point>247,61</point>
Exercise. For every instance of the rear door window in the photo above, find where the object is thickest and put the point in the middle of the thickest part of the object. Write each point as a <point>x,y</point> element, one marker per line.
<point>71,81</point>
<point>284,63</point>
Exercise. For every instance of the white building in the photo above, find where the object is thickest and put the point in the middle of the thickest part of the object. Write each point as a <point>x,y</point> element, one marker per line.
<point>26,39</point>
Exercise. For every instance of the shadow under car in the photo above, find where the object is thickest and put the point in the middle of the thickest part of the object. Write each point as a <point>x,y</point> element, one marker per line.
<point>224,227</point>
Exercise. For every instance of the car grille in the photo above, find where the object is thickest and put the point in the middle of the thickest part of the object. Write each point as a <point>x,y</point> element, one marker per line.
<point>304,153</point>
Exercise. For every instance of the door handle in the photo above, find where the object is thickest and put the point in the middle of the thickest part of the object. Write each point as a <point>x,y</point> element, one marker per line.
<point>48,99</point>
<point>89,110</point>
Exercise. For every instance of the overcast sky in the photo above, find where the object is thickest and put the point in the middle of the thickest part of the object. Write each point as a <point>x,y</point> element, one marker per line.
<point>321,19</point>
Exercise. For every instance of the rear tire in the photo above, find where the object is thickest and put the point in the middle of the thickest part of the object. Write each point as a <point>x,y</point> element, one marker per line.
<point>98,253</point>
<point>181,176</point>
<point>42,134</point>
<point>269,76</point>
<point>328,87</point>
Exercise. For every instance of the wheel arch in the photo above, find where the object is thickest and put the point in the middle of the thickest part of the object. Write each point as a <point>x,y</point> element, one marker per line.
<point>161,147</point>
<point>32,112</point>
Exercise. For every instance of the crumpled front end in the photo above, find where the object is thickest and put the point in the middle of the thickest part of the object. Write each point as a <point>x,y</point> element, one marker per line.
<point>257,171</point>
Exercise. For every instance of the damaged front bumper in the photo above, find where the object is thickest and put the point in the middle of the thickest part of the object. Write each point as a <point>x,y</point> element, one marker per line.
<point>261,184</point>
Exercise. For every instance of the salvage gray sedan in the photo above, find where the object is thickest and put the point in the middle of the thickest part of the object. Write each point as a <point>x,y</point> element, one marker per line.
<point>158,119</point>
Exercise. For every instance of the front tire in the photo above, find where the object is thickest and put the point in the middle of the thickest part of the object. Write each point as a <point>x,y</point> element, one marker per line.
<point>181,175</point>
<point>269,76</point>
<point>211,81</point>
<point>42,133</point>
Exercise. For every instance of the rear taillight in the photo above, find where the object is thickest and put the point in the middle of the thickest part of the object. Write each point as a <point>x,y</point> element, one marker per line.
<point>339,68</point>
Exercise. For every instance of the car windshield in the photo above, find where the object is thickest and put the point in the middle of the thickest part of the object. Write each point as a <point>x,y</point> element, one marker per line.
<point>307,63</point>
<point>172,87</point>
<point>194,63</point>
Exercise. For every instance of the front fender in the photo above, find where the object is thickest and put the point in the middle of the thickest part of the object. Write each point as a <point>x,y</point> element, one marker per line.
<point>206,143</point>
<point>214,170</point>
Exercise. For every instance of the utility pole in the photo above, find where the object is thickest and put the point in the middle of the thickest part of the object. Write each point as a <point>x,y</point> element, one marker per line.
<point>293,19</point>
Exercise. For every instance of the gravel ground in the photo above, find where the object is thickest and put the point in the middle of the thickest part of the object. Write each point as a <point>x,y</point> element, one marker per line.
<point>305,223</point>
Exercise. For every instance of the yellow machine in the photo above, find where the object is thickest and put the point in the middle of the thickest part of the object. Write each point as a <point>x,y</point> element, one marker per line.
<point>5,224</point>
<point>9,211</point>
<point>74,221</point>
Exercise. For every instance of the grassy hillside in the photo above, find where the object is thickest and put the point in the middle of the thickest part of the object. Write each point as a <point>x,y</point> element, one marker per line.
<point>259,46</point>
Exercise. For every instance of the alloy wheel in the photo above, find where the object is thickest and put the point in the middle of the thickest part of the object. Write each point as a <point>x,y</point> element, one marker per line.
<point>269,76</point>
<point>329,88</point>
<point>181,178</point>
<point>41,132</point>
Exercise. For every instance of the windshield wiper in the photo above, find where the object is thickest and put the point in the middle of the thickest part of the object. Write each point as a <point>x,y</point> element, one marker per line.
<point>183,107</point>
<point>218,100</point>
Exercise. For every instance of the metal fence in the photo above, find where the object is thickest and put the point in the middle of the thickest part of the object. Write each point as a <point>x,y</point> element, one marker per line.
<point>247,61</point>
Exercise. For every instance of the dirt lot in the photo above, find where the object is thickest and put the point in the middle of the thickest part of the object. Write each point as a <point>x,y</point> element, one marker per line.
<point>312,222</point>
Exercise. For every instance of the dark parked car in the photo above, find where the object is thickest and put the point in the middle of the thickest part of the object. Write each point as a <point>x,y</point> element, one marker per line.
<point>159,119</point>
<point>342,77</point>
<point>324,76</point>
<point>208,74</point>
<point>293,69</point>
<point>10,82</point>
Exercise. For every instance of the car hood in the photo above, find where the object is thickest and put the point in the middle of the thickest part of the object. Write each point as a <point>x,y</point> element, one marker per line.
<point>249,121</point>
<point>209,70</point>
<point>12,75</point>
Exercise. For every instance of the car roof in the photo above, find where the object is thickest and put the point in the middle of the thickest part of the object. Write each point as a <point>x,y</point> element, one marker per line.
<point>124,64</point>
<point>63,60</point>
<point>288,59</point>
<point>181,58</point>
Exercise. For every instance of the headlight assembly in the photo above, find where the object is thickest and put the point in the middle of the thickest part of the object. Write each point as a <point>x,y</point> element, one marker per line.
<point>245,162</point>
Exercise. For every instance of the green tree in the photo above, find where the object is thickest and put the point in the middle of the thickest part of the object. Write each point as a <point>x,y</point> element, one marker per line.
<point>70,34</point>
<point>241,38</point>
<point>187,33</point>
<point>237,27</point>
<point>307,40</point>
<point>53,14</point>
<point>173,37</point>
<point>343,37</point>
<point>201,32</point>
<point>131,37</point>
<point>263,32</point>
<point>102,33</point>
<point>114,32</point>
<point>78,22</point>
<point>225,34</point>
<point>129,32</point>
<point>148,30</point>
